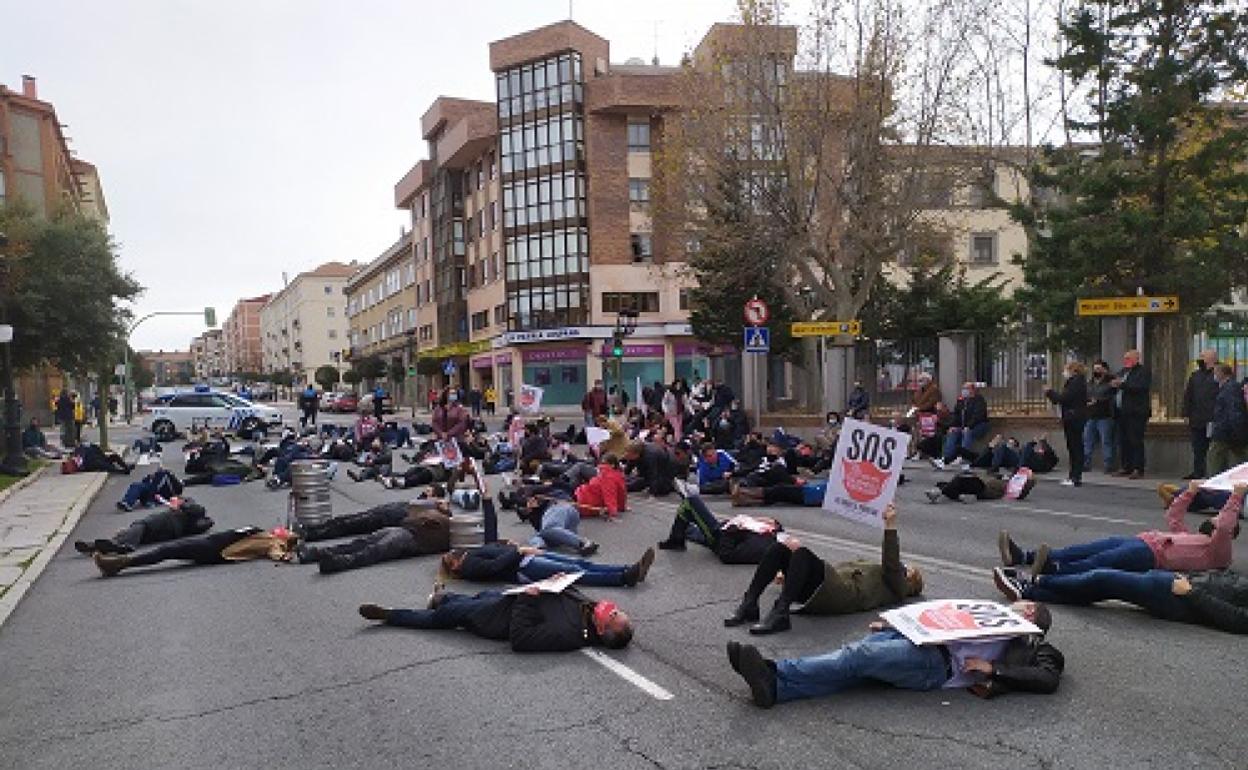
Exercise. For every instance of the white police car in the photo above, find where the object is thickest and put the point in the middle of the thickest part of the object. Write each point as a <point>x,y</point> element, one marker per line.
<point>185,412</point>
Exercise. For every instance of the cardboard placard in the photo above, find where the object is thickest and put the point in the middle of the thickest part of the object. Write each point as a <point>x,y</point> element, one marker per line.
<point>866,469</point>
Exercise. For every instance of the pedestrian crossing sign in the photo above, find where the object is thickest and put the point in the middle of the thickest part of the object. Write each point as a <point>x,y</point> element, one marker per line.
<point>757,339</point>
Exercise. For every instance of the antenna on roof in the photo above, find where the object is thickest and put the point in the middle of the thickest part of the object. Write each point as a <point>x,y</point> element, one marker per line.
<point>655,60</point>
<point>569,10</point>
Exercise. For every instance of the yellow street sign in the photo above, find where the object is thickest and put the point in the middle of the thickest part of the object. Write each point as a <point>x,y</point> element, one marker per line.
<point>826,328</point>
<point>1127,305</point>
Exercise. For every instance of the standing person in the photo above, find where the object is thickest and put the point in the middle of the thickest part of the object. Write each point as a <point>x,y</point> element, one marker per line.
<point>1198,398</point>
<point>491,399</point>
<point>379,402</point>
<point>80,417</point>
<point>1100,425</point>
<point>1134,408</point>
<point>1074,403</point>
<point>474,401</point>
<point>674,408</point>
<point>1229,432</point>
<point>594,404</point>
<point>450,419</point>
<point>309,401</point>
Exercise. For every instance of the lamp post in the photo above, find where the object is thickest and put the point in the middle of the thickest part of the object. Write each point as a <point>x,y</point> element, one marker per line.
<point>411,361</point>
<point>14,463</point>
<point>625,325</point>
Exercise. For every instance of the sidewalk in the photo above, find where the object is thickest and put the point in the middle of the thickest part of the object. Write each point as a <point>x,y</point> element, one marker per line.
<point>35,519</point>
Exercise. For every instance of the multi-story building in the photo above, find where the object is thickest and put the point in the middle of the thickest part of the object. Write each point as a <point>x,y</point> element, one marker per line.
<point>531,226</point>
<point>241,336</point>
<point>304,325</point>
<point>381,308</point>
<point>169,367</point>
<point>208,354</point>
<point>36,163</point>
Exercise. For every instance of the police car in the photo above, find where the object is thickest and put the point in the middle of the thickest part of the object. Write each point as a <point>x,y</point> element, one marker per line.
<point>183,412</point>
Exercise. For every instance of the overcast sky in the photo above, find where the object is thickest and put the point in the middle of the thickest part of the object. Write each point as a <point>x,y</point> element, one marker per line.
<point>240,139</point>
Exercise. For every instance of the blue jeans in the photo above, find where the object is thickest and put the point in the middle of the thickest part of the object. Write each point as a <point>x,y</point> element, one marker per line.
<point>559,524</point>
<point>452,613</point>
<point>1004,457</point>
<point>1151,590</point>
<point>885,656</point>
<point>138,493</point>
<point>964,438</point>
<point>1121,553</point>
<point>1103,430</point>
<point>548,564</point>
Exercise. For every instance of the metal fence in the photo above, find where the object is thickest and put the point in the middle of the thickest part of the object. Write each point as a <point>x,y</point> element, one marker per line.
<point>889,370</point>
<point>1014,370</point>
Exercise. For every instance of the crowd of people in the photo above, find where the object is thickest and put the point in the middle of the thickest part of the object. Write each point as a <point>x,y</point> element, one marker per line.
<point>694,443</point>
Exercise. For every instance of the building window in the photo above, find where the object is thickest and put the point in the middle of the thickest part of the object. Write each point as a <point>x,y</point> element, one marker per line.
<point>641,301</point>
<point>333,334</point>
<point>329,312</point>
<point>639,136</point>
<point>329,289</point>
<point>683,303</point>
<point>500,314</point>
<point>638,190</point>
<point>480,320</point>
<point>984,249</point>
<point>642,251</point>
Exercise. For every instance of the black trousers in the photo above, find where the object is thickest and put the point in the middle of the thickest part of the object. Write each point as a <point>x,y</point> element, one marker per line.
<point>1074,446</point>
<point>1131,434</point>
<point>803,573</point>
<point>957,486</point>
<point>719,487</point>
<point>1200,449</point>
<point>204,549</point>
<point>362,523</point>
<point>386,544</point>
<point>786,494</point>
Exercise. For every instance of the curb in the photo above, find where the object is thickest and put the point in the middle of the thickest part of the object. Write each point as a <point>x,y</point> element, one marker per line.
<point>14,595</point>
<point>24,482</point>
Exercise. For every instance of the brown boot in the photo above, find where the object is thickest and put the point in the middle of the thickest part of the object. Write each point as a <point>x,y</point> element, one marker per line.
<point>747,496</point>
<point>110,564</point>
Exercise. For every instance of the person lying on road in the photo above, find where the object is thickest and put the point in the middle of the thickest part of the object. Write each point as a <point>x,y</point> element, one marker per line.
<point>509,563</point>
<point>738,540</point>
<point>388,532</point>
<point>182,518</point>
<point>1174,549</point>
<point>987,667</point>
<point>234,545</point>
<point>1217,599</point>
<point>532,621</point>
<point>821,588</point>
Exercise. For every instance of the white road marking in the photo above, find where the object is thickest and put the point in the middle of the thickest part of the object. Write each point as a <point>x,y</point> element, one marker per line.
<point>628,675</point>
<point>1064,514</point>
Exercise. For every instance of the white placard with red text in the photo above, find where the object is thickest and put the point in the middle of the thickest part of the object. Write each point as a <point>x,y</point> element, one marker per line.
<point>449,451</point>
<point>1227,480</point>
<point>949,620</point>
<point>865,472</point>
<point>530,399</point>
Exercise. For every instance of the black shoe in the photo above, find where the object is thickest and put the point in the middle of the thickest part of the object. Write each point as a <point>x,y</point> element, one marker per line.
<point>374,612</point>
<point>777,620</point>
<point>331,564</point>
<point>631,576</point>
<point>746,612</point>
<point>106,546</point>
<point>82,546</point>
<point>734,656</point>
<point>759,673</point>
<point>1011,554</point>
<point>587,548</point>
<point>1009,583</point>
<point>671,545</point>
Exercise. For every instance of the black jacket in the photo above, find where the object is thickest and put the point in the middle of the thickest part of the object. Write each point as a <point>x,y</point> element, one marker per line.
<point>1134,386</point>
<point>1101,395</point>
<point>740,546</point>
<point>970,411</point>
<point>1220,600</point>
<point>1199,395</point>
<point>492,562</point>
<point>657,468</point>
<point>169,524</point>
<point>1029,664</point>
<point>1230,414</point>
<point>551,622</point>
<point>1073,399</point>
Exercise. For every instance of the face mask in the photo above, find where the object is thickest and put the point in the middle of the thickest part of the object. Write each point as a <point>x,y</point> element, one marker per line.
<point>966,393</point>
<point>603,612</point>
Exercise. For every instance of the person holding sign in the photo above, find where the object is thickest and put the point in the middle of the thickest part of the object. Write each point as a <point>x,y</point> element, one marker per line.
<point>532,621</point>
<point>821,588</point>
<point>1174,549</point>
<point>988,667</point>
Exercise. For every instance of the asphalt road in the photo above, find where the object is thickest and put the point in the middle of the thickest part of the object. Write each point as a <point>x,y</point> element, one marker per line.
<point>264,665</point>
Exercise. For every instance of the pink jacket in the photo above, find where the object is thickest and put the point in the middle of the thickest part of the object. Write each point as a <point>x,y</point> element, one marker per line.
<point>1183,551</point>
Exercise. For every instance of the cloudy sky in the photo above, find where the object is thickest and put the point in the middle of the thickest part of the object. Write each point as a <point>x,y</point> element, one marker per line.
<point>240,139</point>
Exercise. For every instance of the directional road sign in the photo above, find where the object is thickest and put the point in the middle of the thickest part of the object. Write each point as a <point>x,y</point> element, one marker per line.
<point>1127,306</point>
<point>825,328</point>
<point>757,339</point>
<point>756,312</point>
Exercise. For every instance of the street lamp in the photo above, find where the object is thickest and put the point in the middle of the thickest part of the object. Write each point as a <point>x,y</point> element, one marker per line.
<point>411,361</point>
<point>625,325</point>
<point>14,463</point>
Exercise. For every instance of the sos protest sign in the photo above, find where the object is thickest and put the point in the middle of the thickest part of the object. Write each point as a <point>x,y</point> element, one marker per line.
<point>864,473</point>
<point>450,454</point>
<point>530,399</point>
<point>1227,480</point>
<point>948,620</point>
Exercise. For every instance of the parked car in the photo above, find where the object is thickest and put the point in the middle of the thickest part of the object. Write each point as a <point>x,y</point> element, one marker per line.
<point>365,405</point>
<point>329,401</point>
<point>184,412</point>
<point>346,403</point>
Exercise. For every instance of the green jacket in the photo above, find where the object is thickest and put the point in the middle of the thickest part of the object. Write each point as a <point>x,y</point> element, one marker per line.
<point>857,586</point>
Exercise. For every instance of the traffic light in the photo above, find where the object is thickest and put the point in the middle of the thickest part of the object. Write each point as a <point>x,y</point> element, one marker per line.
<point>210,317</point>
<point>617,345</point>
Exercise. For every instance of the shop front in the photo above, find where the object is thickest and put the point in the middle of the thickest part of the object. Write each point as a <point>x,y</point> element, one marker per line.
<point>559,372</point>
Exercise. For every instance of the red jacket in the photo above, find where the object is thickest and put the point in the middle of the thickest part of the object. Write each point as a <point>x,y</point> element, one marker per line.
<point>606,490</point>
<point>595,402</point>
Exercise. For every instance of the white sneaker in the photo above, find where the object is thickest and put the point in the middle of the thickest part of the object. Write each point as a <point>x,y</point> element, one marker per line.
<point>938,464</point>
<point>1067,483</point>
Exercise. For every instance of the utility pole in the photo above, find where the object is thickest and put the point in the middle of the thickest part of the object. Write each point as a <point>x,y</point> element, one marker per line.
<point>210,320</point>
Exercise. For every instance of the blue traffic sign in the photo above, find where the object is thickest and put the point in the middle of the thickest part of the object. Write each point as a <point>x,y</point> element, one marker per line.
<point>757,339</point>
<point>448,368</point>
